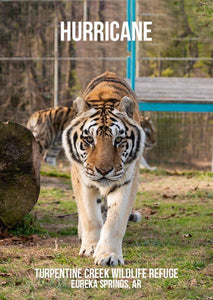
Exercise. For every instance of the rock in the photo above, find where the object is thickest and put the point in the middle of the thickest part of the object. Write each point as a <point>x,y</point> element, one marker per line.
<point>19,172</point>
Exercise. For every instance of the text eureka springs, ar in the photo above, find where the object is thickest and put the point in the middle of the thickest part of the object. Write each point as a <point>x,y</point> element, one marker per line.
<point>105,31</point>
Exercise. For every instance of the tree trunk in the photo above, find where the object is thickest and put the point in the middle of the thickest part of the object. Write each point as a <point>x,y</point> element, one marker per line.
<point>19,172</point>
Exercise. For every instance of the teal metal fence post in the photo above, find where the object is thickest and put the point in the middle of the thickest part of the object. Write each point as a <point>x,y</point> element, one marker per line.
<point>130,64</point>
<point>128,67</point>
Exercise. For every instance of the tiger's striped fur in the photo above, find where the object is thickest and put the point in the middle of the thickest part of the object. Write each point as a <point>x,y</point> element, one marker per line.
<point>104,144</point>
<point>149,129</point>
<point>47,126</point>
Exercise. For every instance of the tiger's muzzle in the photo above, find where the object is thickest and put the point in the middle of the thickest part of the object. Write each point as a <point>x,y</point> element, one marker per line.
<point>104,176</point>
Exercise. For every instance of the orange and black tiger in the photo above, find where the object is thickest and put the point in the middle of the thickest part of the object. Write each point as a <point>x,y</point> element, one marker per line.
<point>47,126</point>
<point>104,144</point>
<point>149,129</point>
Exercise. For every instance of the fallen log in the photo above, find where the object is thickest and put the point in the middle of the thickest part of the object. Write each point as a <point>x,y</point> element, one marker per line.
<point>19,172</point>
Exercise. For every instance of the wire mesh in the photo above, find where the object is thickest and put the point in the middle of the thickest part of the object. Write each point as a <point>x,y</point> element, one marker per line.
<point>183,140</point>
<point>27,67</point>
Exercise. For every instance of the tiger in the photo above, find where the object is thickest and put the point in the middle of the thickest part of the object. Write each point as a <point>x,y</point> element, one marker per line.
<point>149,129</point>
<point>47,126</point>
<point>104,144</point>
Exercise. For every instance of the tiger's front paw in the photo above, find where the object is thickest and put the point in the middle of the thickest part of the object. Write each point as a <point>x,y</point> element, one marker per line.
<point>107,257</point>
<point>87,249</point>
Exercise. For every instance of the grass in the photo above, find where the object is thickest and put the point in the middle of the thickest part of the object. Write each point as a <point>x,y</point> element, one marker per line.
<point>47,170</point>
<point>163,172</point>
<point>175,232</point>
<point>28,226</point>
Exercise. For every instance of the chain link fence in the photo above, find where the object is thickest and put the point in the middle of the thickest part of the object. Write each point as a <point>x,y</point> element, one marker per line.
<point>27,60</point>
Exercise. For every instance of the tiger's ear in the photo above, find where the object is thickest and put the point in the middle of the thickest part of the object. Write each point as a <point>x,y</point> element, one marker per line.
<point>127,105</point>
<point>80,105</point>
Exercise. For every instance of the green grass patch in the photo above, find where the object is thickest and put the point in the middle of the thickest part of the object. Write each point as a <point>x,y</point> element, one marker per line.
<point>55,174</point>
<point>175,232</point>
<point>47,170</point>
<point>69,231</point>
<point>53,193</point>
<point>56,200</point>
<point>163,172</point>
<point>28,226</point>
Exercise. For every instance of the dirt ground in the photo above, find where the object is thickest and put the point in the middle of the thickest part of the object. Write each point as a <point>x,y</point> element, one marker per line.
<point>176,230</point>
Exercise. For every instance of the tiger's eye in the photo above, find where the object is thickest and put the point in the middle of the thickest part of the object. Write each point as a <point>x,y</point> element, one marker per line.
<point>118,139</point>
<point>89,139</point>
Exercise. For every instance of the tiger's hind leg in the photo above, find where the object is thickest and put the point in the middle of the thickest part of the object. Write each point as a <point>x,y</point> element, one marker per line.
<point>89,213</point>
<point>50,156</point>
<point>104,209</point>
<point>134,216</point>
<point>145,165</point>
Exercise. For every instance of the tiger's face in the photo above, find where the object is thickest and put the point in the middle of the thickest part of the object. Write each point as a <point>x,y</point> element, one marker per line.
<point>105,142</point>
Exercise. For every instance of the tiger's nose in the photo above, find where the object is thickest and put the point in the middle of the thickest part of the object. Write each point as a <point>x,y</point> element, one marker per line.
<point>104,171</point>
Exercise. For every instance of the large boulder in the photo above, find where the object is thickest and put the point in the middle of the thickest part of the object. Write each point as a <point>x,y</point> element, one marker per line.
<point>19,172</point>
